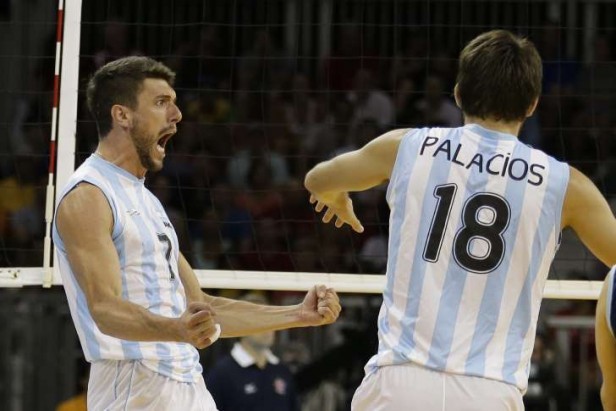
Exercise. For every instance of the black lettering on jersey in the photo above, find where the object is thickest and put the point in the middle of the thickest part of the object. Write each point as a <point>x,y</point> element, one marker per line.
<point>478,161</point>
<point>428,141</point>
<point>520,175</point>
<point>455,156</point>
<point>506,165</point>
<point>535,173</point>
<point>491,170</point>
<point>444,147</point>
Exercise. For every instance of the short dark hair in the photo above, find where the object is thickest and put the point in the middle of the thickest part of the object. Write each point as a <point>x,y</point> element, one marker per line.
<point>119,82</point>
<point>499,76</point>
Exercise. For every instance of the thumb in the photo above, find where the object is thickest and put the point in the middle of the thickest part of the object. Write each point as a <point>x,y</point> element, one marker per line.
<point>320,290</point>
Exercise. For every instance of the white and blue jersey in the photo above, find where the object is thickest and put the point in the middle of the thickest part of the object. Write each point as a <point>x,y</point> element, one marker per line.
<point>474,226</point>
<point>610,301</point>
<point>148,251</point>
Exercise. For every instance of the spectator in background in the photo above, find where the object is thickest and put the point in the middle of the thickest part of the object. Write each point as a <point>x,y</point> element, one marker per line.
<point>251,377</point>
<point>340,67</point>
<point>115,35</point>
<point>406,97</point>
<point>255,145</point>
<point>264,65</point>
<point>210,247</point>
<point>435,108</point>
<point>369,102</point>
<point>541,377</point>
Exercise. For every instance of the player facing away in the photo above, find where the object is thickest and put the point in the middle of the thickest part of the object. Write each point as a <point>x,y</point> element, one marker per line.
<point>475,222</point>
<point>135,301</point>
<point>605,337</point>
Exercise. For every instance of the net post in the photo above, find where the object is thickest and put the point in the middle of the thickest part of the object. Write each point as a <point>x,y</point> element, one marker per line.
<point>67,108</point>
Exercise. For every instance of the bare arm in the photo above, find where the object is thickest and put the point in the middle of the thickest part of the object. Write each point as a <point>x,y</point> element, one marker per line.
<point>330,182</point>
<point>606,352</point>
<point>94,261</point>
<point>238,318</point>
<point>358,170</point>
<point>587,212</point>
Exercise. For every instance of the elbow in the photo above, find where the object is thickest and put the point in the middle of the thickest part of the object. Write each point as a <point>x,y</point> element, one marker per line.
<point>309,182</point>
<point>98,312</point>
<point>313,180</point>
<point>608,400</point>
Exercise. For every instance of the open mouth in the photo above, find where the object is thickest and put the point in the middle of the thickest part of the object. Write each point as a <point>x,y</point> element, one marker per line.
<point>162,142</point>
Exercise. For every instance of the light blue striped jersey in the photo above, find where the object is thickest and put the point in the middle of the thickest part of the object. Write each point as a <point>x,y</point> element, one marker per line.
<point>148,251</point>
<point>610,301</point>
<point>474,225</point>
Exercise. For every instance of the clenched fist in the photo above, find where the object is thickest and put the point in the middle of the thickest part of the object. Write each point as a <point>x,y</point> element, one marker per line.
<point>197,325</point>
<point>320,306</point>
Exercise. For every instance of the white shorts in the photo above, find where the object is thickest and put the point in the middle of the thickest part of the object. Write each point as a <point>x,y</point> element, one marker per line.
<point>129,385</point>
<point>412,387</point>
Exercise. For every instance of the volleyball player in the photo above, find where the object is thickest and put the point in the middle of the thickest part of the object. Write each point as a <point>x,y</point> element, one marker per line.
<point>476,219</point>
<point>135,301</point>
<point>605,337</point>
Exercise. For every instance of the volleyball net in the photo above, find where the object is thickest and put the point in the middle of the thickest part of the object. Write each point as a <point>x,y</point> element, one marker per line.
<point>270,88</point>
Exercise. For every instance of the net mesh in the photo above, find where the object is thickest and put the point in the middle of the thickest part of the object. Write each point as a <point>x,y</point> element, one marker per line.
<point>269,89</point>
<point>27,57</point>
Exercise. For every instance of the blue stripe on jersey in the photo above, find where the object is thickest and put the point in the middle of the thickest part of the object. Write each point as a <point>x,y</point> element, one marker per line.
<point>398,207</point>
<point>152,281</point>
<point>453,286</point>
<point>438,173</point>
<point>87,324</point>
<point>610,303</point>
<point>131,349</point>
<point>84,317</point>
<point>489,309</point>
<point>521,320</point>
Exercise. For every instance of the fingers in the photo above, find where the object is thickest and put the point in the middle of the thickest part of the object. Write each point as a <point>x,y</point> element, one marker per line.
<point>313,199</point>
<point>196,306</point>
<point>328,303</point>
<point>199,318</point>
<point>320,291</point>
<point>319,207</point>
<point>339,222</point>
<point>329,214</point>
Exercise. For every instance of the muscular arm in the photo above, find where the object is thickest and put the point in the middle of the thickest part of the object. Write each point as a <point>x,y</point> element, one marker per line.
<point>84,221</point>
<point>240,318</point>
<point>358,170</point>
<point>330,182</point>
<point>606,352</point>
<point>587,212</point>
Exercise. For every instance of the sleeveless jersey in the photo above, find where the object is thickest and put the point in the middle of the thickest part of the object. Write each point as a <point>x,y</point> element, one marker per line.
<point>474,226</point>
<point>610,301</point>
<point>147,248</point>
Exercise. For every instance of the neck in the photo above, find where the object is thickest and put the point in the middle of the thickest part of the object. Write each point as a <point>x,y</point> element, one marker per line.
<point>512,128</point>
<point>119,150</point>
<point>258,355</point>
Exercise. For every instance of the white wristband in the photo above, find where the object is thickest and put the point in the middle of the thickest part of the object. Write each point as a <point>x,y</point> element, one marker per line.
<point>216,335</point>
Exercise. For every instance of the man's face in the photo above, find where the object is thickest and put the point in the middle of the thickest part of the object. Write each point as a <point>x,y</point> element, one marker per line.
<point>260,342</point>
<point>154,122</point>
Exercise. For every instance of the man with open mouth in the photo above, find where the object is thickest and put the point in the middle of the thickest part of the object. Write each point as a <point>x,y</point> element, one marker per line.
<point>136,303</point>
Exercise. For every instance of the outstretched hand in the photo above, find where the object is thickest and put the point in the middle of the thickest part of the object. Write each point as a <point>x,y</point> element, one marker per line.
<point>340,206</point>
<point>320,306</point>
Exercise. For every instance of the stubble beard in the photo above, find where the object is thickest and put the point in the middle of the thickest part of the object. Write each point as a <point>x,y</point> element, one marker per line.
<point>143,146</point>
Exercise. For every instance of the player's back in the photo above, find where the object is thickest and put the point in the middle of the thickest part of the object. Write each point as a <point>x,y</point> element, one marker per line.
<point>474,226</point>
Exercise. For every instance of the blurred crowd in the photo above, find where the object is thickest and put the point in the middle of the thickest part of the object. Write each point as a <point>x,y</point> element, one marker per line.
<point>256,121</point>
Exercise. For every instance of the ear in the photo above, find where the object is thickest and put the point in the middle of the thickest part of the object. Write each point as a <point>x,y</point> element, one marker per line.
<point>122,116</point>
<point>456,96</point>
<point>532,108</point>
